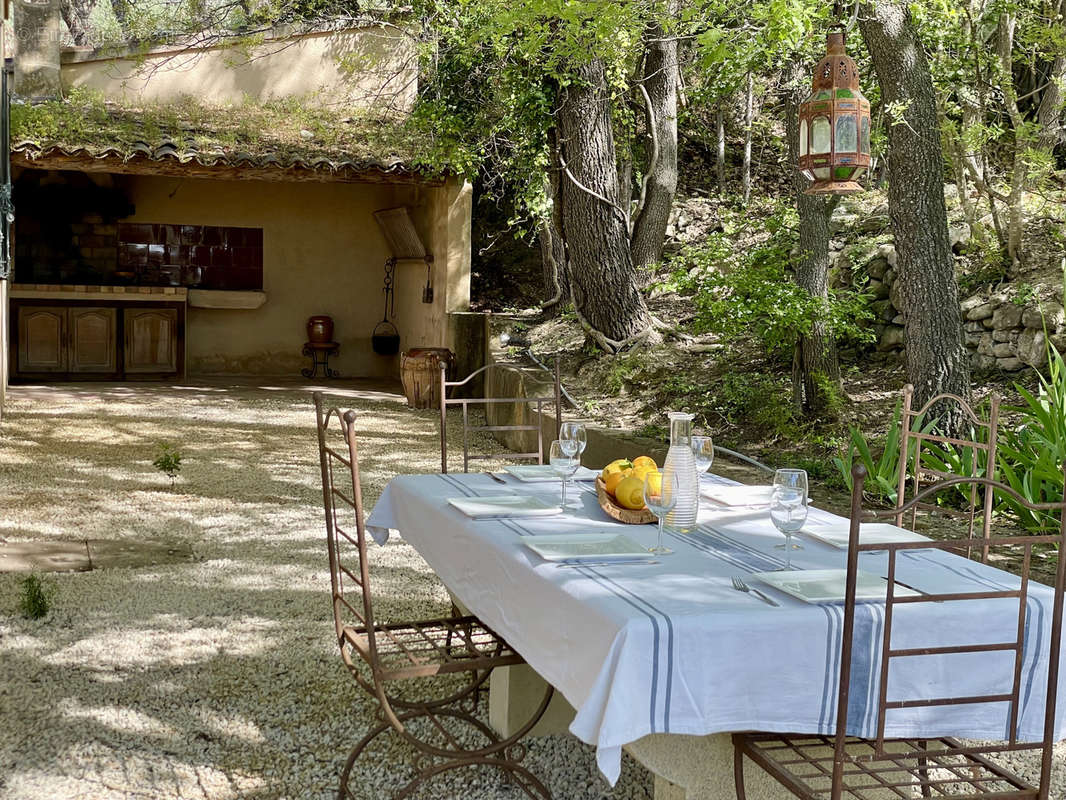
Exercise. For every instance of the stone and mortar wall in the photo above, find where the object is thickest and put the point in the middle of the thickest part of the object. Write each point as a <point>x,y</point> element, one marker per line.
<point>1000,332</point>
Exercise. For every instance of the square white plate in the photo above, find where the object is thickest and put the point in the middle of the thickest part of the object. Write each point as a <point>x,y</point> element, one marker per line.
<point>535,473</point>
<point>739,495</point>
<point>836,534</point>
<point>504,505</point>
<point>827,585</point>
<point>596,546</point>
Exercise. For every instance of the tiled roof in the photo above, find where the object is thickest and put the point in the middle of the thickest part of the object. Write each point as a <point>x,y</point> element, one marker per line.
<point>280,136</point>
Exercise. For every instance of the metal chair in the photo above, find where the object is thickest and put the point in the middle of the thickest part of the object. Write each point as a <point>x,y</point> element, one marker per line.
<point>837,766</point>
<point>387,658</point>
<point>484,375</point>
<point>915,438</point>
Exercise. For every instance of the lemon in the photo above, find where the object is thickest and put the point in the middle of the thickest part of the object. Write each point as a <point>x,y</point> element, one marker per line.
<point>642,470</point>
<point>645,461</point>
<point>655,480</point>
<point>616,478</point>
<point>618,465</point>
<point>630,492</point>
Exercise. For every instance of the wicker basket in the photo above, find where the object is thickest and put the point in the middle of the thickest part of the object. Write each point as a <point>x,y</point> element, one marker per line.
<point>617,512</point>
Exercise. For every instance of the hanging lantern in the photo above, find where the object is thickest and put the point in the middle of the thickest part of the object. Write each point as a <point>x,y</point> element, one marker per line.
<point>834,124</point>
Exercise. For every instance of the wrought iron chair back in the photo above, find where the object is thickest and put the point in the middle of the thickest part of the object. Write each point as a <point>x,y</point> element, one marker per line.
<point>1012,694</point>
<point>345,531</point>
<point>915,440</point>
<point>399,651</point>
<point>835,766</point>
<point>536,403</point>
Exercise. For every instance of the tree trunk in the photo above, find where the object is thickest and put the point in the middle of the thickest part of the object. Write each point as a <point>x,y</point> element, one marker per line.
<point>745,170</point>
<point>1020,163</point>
<point>1052,109</point>
<point>816,369</point>
<point>660,173</point>
<point>594,224</point>
<point>720,153</point>
<point>76,15</point>
<point>936,358</point>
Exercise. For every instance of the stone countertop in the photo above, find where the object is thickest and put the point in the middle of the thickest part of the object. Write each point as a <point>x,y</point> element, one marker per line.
<point>66,291</point>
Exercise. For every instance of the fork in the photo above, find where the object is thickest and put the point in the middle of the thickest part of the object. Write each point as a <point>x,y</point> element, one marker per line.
<point>740,586</point>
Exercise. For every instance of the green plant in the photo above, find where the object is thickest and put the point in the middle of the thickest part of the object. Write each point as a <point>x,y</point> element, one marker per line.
<point>758,399</point>
<point>36,596</point>
<point>169,461</point>
<point>1025,293</point>
<point>1030,456</point>
<point>741,292</point>
<point>882,473</point>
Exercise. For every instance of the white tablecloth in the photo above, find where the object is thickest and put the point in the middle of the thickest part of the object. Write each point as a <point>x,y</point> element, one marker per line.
<point>672,648</point>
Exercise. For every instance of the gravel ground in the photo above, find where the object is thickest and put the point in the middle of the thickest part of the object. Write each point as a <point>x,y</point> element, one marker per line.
<point>216,678</point>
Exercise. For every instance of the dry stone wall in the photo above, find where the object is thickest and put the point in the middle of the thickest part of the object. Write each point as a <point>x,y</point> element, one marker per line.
<point>1001,330</point>
<point>1004,329</point>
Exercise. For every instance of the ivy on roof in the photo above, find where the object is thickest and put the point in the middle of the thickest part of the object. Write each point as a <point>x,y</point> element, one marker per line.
<point>280,131</point>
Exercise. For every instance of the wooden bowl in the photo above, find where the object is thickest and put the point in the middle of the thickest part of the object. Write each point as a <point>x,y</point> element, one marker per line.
<point>614,511</point>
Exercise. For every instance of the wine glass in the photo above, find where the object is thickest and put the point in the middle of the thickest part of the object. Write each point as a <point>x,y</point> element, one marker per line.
<point>788,507</point>
<point>574,439</point>
<point>703,450</point>
<point>563,463</point>
<point>660,496</point>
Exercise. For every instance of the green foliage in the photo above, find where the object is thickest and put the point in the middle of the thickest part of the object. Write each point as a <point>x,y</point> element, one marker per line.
<point>1025,293</point>
<point>35,597</point>
<point>756,399</point>
<point>1030,456</point>
<point>168,461</point>
<point>740,293</point>
<point>882,471</point>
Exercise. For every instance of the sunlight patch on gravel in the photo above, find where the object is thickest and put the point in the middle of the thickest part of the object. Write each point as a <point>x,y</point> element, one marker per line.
<point>218,677</point>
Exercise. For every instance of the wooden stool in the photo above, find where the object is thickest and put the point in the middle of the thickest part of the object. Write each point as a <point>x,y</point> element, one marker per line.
<point>319,352</point>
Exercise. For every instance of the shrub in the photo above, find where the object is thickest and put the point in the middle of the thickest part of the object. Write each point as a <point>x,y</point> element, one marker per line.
<point>1030,456</point>
<point>35,600</point>
<point>169,461</point>
<point>882,473</point>
<point>750,292</point>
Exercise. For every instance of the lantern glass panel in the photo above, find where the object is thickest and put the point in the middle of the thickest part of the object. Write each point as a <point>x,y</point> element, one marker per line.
<point>803,137</point>
<point>864,138</point>
<point>820,135</point>
<point>847,135</point>
<point>821,173</point>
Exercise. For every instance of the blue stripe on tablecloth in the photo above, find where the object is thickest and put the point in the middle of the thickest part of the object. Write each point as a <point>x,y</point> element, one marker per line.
<point>735,552</point>
<point>832,667</point>
<point>633,600</point>
<point>453,481</point>
<point>1029,653</point>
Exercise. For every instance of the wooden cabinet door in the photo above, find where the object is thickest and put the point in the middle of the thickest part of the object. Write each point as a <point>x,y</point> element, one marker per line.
<point>93,339</point>
<point>151,340</point>
<point>42,339</point>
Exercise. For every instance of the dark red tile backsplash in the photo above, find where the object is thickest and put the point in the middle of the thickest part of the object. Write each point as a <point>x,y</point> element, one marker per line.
<point>208,256</point>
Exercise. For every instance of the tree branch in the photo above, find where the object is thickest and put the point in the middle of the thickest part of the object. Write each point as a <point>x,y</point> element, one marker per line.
<point>590,192</point>
<point>653,160</point>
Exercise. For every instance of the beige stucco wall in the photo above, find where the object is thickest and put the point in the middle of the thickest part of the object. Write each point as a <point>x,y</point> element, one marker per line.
<point>371,67</point>
<point>323,254</point>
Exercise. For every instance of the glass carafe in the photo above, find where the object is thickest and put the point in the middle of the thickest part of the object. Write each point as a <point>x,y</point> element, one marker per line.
<point>681,460</point>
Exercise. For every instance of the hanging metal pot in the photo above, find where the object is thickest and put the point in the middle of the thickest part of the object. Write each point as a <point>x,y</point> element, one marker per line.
<point>385,339</point>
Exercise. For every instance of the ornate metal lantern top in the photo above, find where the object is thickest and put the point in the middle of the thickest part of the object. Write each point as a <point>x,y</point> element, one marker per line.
<point>834,124</point>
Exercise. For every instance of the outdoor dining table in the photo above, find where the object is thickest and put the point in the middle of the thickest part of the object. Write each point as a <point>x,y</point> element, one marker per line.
<point>668,646</point>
